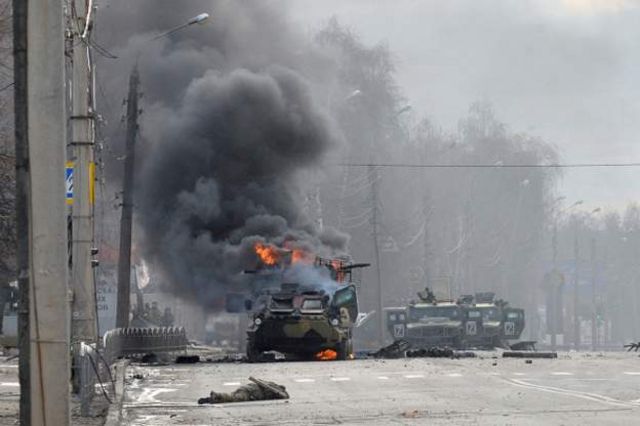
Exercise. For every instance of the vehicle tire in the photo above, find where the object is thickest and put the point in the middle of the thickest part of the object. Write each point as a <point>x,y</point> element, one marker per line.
<point>342,350</point>
<point>252,352</point>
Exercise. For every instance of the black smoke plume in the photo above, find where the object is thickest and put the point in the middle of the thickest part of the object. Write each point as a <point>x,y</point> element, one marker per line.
<point>230,132</point>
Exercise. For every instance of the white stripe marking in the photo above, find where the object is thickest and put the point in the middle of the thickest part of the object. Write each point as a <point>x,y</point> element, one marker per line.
<point>231,384</point>
<point>414,376</point>
<point>632,373</point>
<point>12,384</point>
<point>304,380</point>
<point>383,378</point>
<point>454,375</point>
<point>519,374</point>
<point>340,379</point>
<point>561,373</point>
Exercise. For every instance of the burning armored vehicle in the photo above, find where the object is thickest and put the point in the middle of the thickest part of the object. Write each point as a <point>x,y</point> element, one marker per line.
<point>470,321</point>
<point>303,309</point>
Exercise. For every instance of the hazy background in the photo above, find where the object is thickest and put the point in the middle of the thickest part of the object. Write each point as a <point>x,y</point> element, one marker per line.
<point>565,71</point>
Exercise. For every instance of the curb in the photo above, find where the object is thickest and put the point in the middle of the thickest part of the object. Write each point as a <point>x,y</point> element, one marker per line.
<point>114,416</point>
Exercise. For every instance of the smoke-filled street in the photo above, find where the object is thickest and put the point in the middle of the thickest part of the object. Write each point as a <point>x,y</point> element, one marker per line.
<point>575,389</point>
<point>319,212</point>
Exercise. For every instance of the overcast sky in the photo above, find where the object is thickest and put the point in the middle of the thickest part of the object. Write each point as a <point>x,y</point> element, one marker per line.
<point>564,70</point>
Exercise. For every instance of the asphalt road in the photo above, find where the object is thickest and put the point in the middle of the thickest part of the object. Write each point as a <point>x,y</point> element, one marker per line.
<point>574,389</point>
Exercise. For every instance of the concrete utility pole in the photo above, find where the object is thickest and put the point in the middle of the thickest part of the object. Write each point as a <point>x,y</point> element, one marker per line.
<point>46,137</point>
<point>373,182</point>
<point>83,318</point>
<point>594,326</point>
<point>124,259</point>
<point>22,203</point>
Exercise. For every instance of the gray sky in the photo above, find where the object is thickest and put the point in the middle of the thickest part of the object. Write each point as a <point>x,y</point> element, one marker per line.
<point>564,70</point>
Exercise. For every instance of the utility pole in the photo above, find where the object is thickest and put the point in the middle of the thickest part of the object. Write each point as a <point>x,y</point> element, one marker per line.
<point>554,291</point>
<point>124,260</point>
<point>22,203</point>
<point>373,182</point>
<point>46,211</point>
<point>576,317</point>
<point>594,326</point>
<point>83,318</point>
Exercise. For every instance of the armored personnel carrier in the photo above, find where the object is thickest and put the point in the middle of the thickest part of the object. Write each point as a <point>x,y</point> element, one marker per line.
<point>490,323</point>
<point>307,320</point>
<point>427,323</point>
<point>470,322</point>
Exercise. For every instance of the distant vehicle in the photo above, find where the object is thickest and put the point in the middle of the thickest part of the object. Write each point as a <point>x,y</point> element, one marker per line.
<point>306,321</point>
<point>470,321</point>
<point>427,323</point>
<point>490,323</point>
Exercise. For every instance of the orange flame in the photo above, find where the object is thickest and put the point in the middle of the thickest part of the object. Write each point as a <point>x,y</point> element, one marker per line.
<point>301,256</point>
<point>268,254</point>
<point>327,355</point>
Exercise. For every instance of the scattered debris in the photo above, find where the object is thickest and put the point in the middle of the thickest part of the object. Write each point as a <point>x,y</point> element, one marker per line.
<point>402,349</point>
<point>635,346</point>
<point>411,414</point>
<point>138,376</point>
<point>434,352</point>
<point>529,345</point>
<point>233,358</point>
<point>149,358</point>
<point>494,363</point>
<point>187,359</point>
<point>528,361</point>
<point>397,349</point>
<point>258,390</point>
<point>527,354</point>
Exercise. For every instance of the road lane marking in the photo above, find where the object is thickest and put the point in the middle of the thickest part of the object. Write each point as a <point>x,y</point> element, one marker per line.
<point>519,374</point>
<point>340,379</point>
<point>148,395</point>
<point>577,394</point>
<point>454,375</point>
<point>561,373</point>
<point>383,378</point>
<point>414,376</point>
<point>231,384</point>
<point>304,380</point>
<point>632,373</point>
<point>12,384</point>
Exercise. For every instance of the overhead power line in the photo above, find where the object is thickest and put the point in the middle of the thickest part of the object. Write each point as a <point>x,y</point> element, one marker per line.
<point>488,166</point>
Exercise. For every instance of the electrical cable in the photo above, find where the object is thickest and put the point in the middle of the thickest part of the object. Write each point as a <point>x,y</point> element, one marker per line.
<point>95,370</point>
<point>487,166</point>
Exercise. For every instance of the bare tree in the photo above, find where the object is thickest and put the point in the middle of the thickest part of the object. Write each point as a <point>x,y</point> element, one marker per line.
<point>7,160</point>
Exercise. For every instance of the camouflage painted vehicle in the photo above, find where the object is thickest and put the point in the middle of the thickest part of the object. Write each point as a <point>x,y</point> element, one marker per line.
<point>489,323</point>
<point>472,321</point>
<point>427,324</point>
<point>303,322</point>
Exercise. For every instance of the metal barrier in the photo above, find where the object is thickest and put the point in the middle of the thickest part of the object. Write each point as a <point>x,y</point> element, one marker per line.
<point>93,367</point>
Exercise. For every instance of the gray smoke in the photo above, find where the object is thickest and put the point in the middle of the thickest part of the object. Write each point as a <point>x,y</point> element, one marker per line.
<point>230,130</point>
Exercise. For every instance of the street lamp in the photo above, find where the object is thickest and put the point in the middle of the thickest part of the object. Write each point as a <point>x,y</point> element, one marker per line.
<point>555,308</point>
<point>124,255</point>
<point>594,326</point>
<point>198,19</point>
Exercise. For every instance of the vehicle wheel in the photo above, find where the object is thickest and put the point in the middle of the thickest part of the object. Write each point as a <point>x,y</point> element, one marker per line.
<point>252,352</point>
<point>342,349</point>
